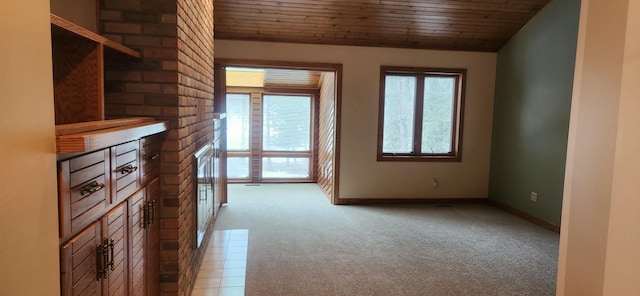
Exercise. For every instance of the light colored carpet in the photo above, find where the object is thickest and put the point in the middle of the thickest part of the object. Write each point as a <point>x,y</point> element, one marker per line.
<point>299,244</point>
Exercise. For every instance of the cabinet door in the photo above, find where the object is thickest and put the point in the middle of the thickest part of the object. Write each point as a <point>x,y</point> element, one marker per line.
<point>114,229</point>
<point>137,225</point>
<point>80,263</point>
<point>153,239</point>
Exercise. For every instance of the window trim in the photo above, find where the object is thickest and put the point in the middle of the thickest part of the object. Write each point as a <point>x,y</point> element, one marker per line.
<point>313,96</point>
<point>256,152</point>
<point>311,120</point>
<point>458,113</point>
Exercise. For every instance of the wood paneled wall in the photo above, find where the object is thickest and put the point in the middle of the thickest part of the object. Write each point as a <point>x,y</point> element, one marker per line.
<point>256,137</point>
<point>326,147</point>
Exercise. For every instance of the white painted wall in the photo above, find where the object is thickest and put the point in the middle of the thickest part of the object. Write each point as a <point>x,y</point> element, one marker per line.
<point>600,242</point>
<point>361,176</point>
<point>28,196</point>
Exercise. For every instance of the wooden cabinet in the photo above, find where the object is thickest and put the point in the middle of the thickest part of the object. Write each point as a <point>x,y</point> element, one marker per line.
<point>144,241</point>
<point>152,239</point>
<point>108,220</point>
<point>137,225</point>
<point>94,261</point>
<point>108,186</point>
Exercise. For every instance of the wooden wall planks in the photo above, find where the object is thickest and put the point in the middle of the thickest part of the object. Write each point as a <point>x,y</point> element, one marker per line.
<point>326,134</point>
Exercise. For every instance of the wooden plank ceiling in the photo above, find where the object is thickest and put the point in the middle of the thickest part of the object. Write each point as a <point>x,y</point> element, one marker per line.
<point>273,78</point>
<point>475,25</point>
<point>291,78</point>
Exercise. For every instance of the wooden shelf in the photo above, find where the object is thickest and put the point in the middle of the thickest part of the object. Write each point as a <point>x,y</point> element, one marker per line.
<point>105,133</point>
<point>79,57</point>
<point>62,26</point>
<point>92,126</point>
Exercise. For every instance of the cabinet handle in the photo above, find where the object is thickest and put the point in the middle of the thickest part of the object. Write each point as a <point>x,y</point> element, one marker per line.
<point>111,262</point>
<point>100,262</point>
<point>154,157</point>
<point>105,258</point>
<point>145,215</point>
<point>152,213</point>
<point>128,169</point>
<point>91,188</point>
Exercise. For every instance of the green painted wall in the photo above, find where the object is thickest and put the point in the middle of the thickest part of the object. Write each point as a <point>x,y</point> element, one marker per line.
<point>534,82</point>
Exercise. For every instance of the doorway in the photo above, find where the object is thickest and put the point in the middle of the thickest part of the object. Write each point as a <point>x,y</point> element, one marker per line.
<point>271,137</point>
<point>282,122</point>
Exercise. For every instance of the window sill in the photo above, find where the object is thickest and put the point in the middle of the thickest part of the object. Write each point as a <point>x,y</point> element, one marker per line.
<point>422,158</point>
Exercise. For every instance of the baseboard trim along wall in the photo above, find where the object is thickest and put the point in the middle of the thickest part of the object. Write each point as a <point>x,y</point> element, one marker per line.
<point>445,201</point>
<point>385,201</point>
<point>535,220</point>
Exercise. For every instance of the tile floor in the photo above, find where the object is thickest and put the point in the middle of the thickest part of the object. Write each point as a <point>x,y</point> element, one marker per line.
<point>224,265</point>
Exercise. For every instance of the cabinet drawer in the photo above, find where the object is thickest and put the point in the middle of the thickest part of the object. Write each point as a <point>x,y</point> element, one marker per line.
<point>150,157</point>
<point>125,175</point>
<point>83,189</point>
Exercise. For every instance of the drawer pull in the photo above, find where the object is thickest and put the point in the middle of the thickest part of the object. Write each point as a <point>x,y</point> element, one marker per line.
<point>91,188</point>
<point>128,169</point>
<point>154,157</point>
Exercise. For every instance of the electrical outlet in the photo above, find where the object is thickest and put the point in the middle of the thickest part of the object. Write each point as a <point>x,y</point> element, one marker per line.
<point>534,196</point>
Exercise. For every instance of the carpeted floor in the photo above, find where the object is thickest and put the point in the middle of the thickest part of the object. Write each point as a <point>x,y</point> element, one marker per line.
<point>299,244</point>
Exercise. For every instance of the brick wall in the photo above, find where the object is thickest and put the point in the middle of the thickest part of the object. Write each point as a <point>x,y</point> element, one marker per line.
<point>195,93</point>
<point>146,87</point>
<point>173,81</point>
<point>325,132</point>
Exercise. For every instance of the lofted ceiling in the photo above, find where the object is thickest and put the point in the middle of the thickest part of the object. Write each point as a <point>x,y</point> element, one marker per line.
<point>474,25</point>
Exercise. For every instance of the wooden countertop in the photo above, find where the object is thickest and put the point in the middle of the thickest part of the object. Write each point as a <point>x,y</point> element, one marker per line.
<point>90,136</point>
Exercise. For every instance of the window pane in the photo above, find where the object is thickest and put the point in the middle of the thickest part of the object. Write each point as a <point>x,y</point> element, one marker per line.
<point>399,114</point>
<point>285,167</point>
<point>286,123</point>
<point>238,116</point>
<point>437,118</point>
<point>238,167</point>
